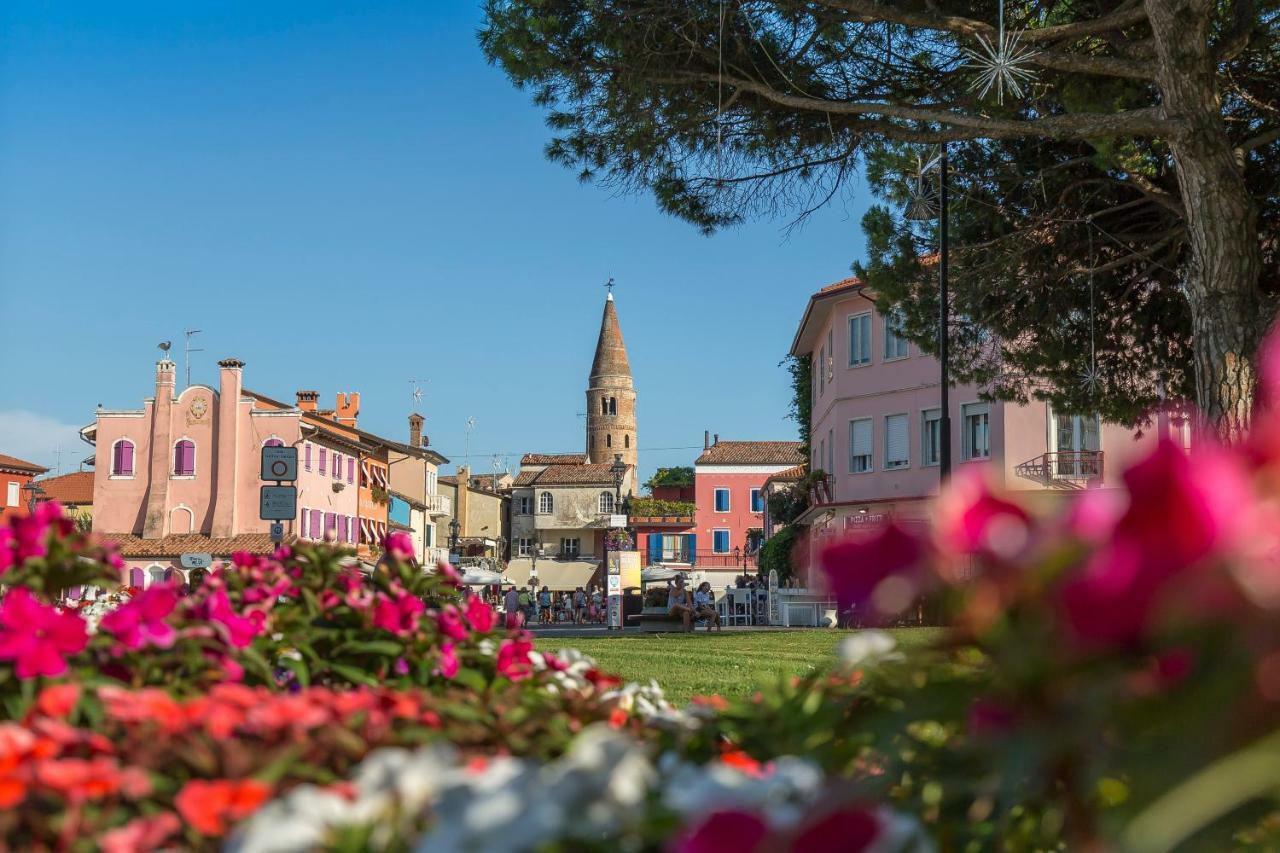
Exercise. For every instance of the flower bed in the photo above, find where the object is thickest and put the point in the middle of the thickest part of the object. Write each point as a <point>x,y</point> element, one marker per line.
<point>1110,678</point>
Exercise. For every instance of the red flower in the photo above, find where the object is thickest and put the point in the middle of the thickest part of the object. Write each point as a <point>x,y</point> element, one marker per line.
<point>210,807</point>
<point>58,700</point>
<point>38,637</point>
<point>879,571</point>
<point>513,659</point>
<point>851,830</point>
<point>724,832</point>
<point>480,615</point>
<point>744,763</point>
<point>398,616</point>
<point>142,833</point>
<point>78,780</point>
<point>141,620</point>
<point>151,705</point>
<point>447,667</point>
<point>450,623</point>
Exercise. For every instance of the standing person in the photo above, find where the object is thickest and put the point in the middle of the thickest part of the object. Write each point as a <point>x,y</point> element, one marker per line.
<point>579,606</point>
<point>597,605</point>
<point>511,604</point>
<point>704,605</point>
<point>680,605</point>
<point>526,604</point>
<point>544,603</point>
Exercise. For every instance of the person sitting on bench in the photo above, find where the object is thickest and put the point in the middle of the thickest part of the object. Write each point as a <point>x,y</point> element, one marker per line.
<point>680,605</point>
<point>704,605</point>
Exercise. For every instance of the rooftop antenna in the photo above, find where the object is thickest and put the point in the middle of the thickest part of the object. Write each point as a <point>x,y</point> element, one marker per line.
<point>190,333</point>
<point>58,455</point>
<point>416,393</point>
<point>471,424</point>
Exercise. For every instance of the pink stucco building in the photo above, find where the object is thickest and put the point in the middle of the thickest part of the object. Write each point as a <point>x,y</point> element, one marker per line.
<point>181,474</point>
<point>875,424</point>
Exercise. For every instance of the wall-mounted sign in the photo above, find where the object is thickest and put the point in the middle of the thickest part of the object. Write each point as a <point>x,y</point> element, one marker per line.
<point>617,521</point>
<point>278,503</point>
<point>196,561</point>
<point>279,463</point>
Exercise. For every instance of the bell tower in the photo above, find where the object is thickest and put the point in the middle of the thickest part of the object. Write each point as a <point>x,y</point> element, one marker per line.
<point>611,395</point>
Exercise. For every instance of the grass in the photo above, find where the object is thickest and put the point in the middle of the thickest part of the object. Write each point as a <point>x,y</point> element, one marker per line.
<point>732,664</point>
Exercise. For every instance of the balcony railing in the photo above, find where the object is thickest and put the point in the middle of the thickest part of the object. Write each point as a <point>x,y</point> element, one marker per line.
<point>439,505</point>
<point>436,555</point>
<point>1064,469</point>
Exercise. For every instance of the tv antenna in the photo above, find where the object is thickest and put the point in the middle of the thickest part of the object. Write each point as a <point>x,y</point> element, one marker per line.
<point>471,424</point>
<point>416,393</point>
<point>190,333</point>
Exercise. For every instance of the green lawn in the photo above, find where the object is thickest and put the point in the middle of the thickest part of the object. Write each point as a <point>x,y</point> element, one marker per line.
<point>732,664</point>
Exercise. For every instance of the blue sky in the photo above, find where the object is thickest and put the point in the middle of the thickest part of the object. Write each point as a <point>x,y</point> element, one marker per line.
<point>347,197</point>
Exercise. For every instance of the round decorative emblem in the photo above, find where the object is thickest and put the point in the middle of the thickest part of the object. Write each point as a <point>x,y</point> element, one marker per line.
<point>199,407</point>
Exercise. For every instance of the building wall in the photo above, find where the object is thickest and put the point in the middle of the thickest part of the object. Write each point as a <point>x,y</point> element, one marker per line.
<point>740,480</point>
<point>20,506</point>
<point>317,490</point>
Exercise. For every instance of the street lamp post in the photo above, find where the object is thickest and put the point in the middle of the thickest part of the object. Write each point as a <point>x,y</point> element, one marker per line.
<point>921,209</point>
<point>35,490</point>
<point>453,534</point>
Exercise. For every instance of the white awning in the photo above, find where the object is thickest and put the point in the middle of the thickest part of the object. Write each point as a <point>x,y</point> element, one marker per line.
<point>556,575</point>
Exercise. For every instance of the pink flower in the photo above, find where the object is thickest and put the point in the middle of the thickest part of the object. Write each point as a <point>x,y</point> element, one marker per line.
<point>142,833</point>
<point>400,546</point>
<point>513,659</point>
<point>38,637</point>
<point>728,831</point>
<point>480,615</point>
<point>972,519</point>
<point>849,830</point>
<point>399,615</point>
<point>401,667</point>
<point>238,630</point>
<point>450,623</point>
<point>449,573</point>
<point>878,571</point>
<point>141,620</point>
<point>447,666</point>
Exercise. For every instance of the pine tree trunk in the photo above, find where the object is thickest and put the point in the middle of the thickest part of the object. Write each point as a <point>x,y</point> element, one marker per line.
<point>1229,314</point>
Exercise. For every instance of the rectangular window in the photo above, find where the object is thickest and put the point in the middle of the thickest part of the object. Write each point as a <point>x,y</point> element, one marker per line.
<point>757,501</point>
<point>304,529</point>
<point>720,541</point>
<point>897,452</point>
<point>822,371</point>
<point>931,437</point>
<point>722,500</point>
<point>324,457</point>
<point>822,455</point>
<point>674,548</point>
<point>351,469</point>
<point>337,465</point>
<point>831,451</point>
<point>316,524</point>
<point>977,425</point>
<point>860,446</point>
<point>524,505</point>
<point>895,345</point>
<point>352,529</point>
<point>860,339</point>
<point>306,456</point>
<point>15,493</point>
<point>570,547</point>
<point>831,352</point>
<point>524,546</point>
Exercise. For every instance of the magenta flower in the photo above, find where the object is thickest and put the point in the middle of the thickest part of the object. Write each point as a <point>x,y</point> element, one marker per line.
<point>38,637</point>
<point>238,630</point>
<point>513,659</point>
<point>480,615</point>
<point>400,546</point>
<point>849,830</point>
<point>450,623</point>
<point>399,615</point>
<point>973,519</point>
<point>450,574</point>
<point>141,620</point>
<point>447,666</point>
<point>878,571</point>
<point>728,831</point>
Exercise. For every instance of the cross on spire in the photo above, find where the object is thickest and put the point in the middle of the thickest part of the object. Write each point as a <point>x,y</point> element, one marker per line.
<point>609,284</point>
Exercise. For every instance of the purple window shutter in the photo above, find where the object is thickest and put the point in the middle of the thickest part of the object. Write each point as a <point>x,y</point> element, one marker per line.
<point>273,442</point>
<point>73,594</point>
<point>337,466</point>
<point>307,457</point>
<point>330,524</point>
<point>324,456</point>
<point>137,577</point>
<point>317,532</point>
<point>126,452</point>
<point>351,469</point>
<point>189,457</point>
<point>168,574</point>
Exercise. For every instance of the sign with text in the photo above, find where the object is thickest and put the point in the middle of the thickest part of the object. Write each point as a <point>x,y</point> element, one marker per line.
<point>279,463</point>
<point>196,561</point>
<point>623,571</point>
<point>278,503</point>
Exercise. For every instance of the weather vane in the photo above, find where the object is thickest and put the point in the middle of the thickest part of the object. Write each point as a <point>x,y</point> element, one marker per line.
<point>609,284</point>
<point>1001,64</point>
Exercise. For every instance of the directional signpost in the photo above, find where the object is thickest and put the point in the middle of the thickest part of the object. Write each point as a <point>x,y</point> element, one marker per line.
<point>279,502</point>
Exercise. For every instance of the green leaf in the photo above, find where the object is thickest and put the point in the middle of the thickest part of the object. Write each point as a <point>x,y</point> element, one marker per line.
<point>353,674</point>
<point>372,647</point>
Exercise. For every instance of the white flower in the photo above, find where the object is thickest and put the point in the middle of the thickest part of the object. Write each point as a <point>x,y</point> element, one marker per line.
<point>868,649</point>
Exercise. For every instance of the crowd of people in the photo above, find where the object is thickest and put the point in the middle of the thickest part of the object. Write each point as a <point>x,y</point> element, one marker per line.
<point>529,605</point>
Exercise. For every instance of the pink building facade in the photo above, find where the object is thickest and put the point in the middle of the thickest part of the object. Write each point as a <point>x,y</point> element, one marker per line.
<point>875,424</point>
<point>180,476</point>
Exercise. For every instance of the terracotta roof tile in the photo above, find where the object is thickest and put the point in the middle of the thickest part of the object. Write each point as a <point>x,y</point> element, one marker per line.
<point>171,546</point>
<point>554,459</point>
<point>74,488</point>
<point>568,475</point>
<point>13,463</point>
<point>752,453</point>
<point>795,472</point>
<point>851,283</point>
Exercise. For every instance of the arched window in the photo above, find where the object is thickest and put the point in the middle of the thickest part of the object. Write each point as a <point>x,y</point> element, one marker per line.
<point>184,458</point>
<point>592,442</point>
<point>626,441</point>
<point>122,458</point>
<point>604,406</point>
<point>156,574</point>
<point>608,441</point>
<point>546,503</point>
<point>606,503</point>
<point>273,442</point>
<point>613,405</point>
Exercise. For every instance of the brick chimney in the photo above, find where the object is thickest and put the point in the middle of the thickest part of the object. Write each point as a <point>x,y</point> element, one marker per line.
<point>347,408</point>
<point>226,430</point>
<point>415,430</point>
<point>156,521</point>
<point>307,400</point>
<point>706,439</point>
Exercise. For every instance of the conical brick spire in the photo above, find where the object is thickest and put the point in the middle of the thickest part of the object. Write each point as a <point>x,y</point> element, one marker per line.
<point>611,396</point>
<point>611,352</point>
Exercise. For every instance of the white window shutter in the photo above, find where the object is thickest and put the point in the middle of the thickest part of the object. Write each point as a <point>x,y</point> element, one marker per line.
<point>862,438</point>
<point>895,441</point>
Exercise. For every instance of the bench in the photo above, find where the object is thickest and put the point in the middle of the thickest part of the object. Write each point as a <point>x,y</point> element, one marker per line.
<point>657,620</point>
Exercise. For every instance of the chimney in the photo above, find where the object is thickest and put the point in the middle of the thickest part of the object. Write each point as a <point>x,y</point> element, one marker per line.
<point>716,438</point>
<point>415,430</point>
<point>307,400</point>
<point>347,408</point>
<point>155,524</point>
<point>706,439</point>
<point>227,438</point>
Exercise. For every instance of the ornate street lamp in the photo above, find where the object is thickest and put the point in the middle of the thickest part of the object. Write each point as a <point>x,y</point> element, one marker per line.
<point>921,209</point>
<point>36,491</point>
<point>618,470</point>
<point>453,534</point>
